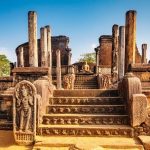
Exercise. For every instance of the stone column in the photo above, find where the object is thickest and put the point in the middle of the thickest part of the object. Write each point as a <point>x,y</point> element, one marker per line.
<point>69,56</point>
<point>49,46</point>
<point>144,50</point>
<point>43,47</point>
<point>121,52</point>
<point>32,33</point>
<point>58,69</point>
<point>130,39</point>
<point>21,57</point>
<point>97,59</point>
<point>114,65</point>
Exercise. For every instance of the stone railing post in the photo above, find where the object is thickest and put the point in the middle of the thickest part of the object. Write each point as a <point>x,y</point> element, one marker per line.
<point>136,101</point>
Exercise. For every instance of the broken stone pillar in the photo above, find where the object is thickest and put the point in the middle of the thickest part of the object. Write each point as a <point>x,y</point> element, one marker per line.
<point>20,57</point>
<point>32,33</point>
<point>121,52</point>
<point>97,59</point>
<point>114,65</point>
<point>58,69</point>
<point>144,49</point>
<point>130,39</point>
<point>43,47</point>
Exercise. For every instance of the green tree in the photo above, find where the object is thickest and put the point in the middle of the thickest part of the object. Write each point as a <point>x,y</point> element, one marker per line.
<point>4,66</point>
<point>88,57</point>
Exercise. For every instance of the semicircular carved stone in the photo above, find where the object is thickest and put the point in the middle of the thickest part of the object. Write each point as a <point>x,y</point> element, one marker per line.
<point>24,113</point>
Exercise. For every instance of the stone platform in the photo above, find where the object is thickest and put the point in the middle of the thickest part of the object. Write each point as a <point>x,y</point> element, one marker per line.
<point>71,143</point>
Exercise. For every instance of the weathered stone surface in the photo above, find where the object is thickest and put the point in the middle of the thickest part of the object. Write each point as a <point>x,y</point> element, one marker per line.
<point>121,52</point>
<point>104,81</point>
<point>105,52</point>
<point>131,85</point>
<point>32,31</point>
<point>114,65</point>
<point>68,81</point>
<point>138,109</point>
<point>44,52</point>
<point>20,57</point>
<point>24,113</point>
<point>144,50</point>
<point>58,70</point>
<point>130,39</point>
<point>45,90</point>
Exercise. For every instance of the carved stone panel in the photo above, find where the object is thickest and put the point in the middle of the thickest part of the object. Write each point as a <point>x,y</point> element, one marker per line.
<point>68,81</point>
<point>138,109</point>
<point>24,113</point>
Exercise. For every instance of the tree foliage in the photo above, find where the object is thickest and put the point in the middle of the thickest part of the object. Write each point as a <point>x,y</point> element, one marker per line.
<point>88,57</point>
<point>4,66</point>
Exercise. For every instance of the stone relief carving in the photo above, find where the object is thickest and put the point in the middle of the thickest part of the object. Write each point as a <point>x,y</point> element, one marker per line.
<point>24,110</point>
<point>68,81</point>
<point>104,81</point>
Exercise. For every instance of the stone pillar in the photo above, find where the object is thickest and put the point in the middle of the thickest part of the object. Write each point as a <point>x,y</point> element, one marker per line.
<point>69,56</point>
<point>49,47</point>
<point>32,31</point>
<point>121,52</point>
<point>130,39</point>
<point>58,69</point>
<point>114,65</point>
<point>144,50</point>
<point>97,59</point>
<point>20,57</point>
<point>43,47</point>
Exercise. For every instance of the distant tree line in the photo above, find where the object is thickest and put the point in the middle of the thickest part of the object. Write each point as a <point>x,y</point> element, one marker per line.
<point>88,57</point>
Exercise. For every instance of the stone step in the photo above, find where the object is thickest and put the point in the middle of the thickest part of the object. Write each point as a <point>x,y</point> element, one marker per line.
<point>82,119</point>
<point>87,100</point>
<point>86,93</point>
<point>85,130</point>
<point>84,109</point>
<point>85,87</point>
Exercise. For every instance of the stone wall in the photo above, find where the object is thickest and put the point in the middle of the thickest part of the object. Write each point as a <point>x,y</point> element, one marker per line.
<point>105,54</point>
<point>60,42</point>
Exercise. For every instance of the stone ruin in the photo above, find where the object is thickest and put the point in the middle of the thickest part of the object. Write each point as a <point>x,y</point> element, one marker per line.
<point>46,95</point>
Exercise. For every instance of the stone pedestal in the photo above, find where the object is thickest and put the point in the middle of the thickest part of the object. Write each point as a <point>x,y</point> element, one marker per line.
<point>58,69</point>
<point>32,33</point>
<point>114,66</point>
<point>44,54</point>
<point>130,39</point>
<point>144,50</point>
<point>121,52</point>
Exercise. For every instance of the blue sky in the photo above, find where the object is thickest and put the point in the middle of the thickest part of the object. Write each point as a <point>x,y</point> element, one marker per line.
<point>84,21</point>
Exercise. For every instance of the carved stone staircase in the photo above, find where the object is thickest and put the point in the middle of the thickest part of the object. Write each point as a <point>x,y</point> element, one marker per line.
<point>83,81</point>
<point>90,112</point>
